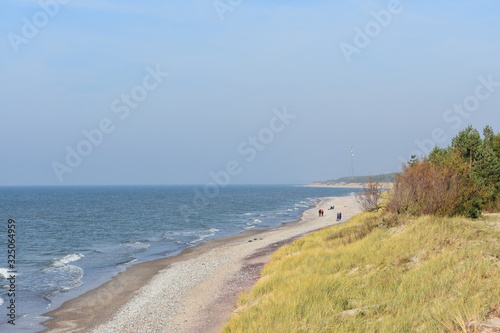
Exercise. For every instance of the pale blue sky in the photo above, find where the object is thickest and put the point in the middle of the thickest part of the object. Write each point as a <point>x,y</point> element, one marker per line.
<point>226,77</point>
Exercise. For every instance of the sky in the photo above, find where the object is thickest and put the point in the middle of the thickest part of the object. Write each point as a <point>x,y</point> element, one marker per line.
<point>236,91</point>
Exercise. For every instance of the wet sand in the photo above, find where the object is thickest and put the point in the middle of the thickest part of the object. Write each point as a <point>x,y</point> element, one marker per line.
<point>194,291</point>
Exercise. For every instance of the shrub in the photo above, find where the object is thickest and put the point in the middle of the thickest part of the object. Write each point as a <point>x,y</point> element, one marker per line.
<point>426,188</point>
<point>462,179</point>
<point>369,199</point>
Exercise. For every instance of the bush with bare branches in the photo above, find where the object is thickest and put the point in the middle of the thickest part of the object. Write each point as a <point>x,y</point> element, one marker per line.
<point>369,199</point>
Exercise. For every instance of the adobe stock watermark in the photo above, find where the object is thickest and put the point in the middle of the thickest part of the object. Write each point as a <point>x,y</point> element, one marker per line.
<point>456,115</point>
<point>30,28</point>
<point>372,29</point>
<point>221,7</point>
<point>122,107</point>
<point>249,150</point>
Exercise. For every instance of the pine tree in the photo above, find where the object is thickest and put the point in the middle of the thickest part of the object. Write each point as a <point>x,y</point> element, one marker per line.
<point>489,135</point>
<point>468,143</point>
<point>496,145</point>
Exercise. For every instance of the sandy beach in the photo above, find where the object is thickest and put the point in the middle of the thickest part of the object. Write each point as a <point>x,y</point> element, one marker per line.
<point>194,291</point>
<point>346,185</point>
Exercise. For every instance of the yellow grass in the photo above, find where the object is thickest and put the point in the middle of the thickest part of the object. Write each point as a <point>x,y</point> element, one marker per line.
<point>371,274</point>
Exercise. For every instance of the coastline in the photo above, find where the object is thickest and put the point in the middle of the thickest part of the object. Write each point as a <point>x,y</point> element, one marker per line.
<point>384,185</point>
<point>193,291</point>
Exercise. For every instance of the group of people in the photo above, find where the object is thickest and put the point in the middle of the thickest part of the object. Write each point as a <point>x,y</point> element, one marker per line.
<point>321,213</point>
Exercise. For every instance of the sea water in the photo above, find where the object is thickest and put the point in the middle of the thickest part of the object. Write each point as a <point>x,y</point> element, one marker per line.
<point>70,240</point>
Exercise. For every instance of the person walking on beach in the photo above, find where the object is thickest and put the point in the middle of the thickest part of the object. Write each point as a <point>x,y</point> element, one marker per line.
<point>319,212</point>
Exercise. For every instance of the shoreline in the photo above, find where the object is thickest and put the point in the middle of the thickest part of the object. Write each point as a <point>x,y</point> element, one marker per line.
<point>385,185</point>
<point>192,291</point>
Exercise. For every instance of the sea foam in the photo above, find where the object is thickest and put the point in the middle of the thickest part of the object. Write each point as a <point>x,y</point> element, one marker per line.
<point>254,222</point>
<point>137,245</point>
<point>205,234</point>
<point>67,259</point>
<point>4,273</point>
<point>62,275</point>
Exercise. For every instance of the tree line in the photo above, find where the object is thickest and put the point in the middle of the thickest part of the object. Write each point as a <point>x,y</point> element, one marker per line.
<point>461,179</point>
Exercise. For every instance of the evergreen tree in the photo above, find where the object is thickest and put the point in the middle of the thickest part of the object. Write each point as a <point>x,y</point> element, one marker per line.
<point>439,156</point>
<point>486,173</point>
<point>489,135</point>
<point>468,143</point>
<point>496,145</point>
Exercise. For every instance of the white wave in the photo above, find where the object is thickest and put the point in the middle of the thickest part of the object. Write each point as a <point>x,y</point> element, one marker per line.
<point>127,261</point>
<point>249,227</point>
<point>63,275</point>
<point>67,259</point>
<point>205,234</point>
<point>4,273</point>
<point>170,239</point>
<point>1,301</point>
<point>254,214</point>
<point>138,245</point>
<point>254,222</point>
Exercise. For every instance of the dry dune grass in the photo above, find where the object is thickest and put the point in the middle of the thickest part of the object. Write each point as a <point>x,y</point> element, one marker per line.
<point>376,274</point>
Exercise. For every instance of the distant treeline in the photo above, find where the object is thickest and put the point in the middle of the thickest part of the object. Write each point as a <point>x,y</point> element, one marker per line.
<point>384,178</point>
<point>462,179</point>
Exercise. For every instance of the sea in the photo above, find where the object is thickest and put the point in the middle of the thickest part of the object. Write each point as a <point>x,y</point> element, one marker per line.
<point>69,240</point>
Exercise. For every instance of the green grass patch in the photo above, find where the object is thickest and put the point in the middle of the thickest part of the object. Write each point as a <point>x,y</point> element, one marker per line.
<point>375,274</point>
